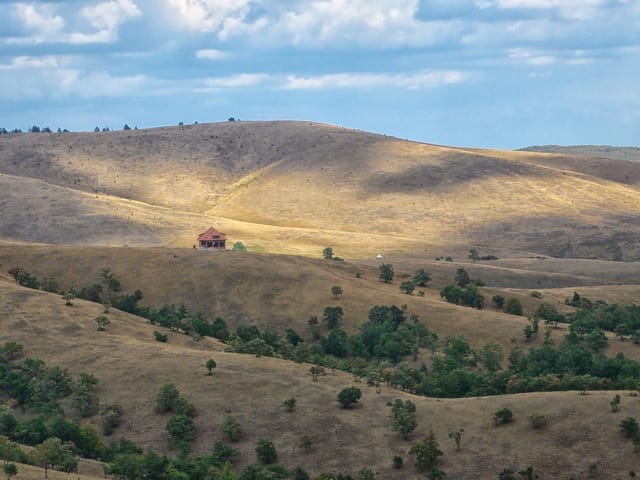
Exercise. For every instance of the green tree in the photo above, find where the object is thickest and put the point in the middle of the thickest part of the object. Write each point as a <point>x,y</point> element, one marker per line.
<point>210,365</point>
<point>462,278</point>
<point>181,427</point>
<point>502,416</point>
<point>332,317</point>
<point>490,355</point>
<point>408,287</point>
<point>230,428</point>
<point>10,470</point>
<point>327,253</point>
<point>422,277</point>
<point>349,396</point>
<point>306,443</point>
<point>266,451</point>
<point>219,329</point>
<point>537,420</point>
<point>498,301</point>
<point>289,404</point>
<point>386,272</point>
<point>404,418</point>
<point>473,255</point>
<point>52,453</point>
<point>426,452</point>
<point>615,403</point>
<point>239,247</point>
<point>456,435</point>
<point>513,306</point>
<point>68,297</point>
<point>336,291</point>
<point>167,398</point>
<point>629,426</point>
<point>316,371</point>
<point>102,322</point>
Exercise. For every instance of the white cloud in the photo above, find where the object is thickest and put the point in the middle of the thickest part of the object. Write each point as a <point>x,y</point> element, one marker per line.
<point>211,54</point>
<point>44,25</point>
<point>235,81</point>
<point>411,81</point>
<point>531,57</point>
<point>206,15</point>
<point>26,62</point>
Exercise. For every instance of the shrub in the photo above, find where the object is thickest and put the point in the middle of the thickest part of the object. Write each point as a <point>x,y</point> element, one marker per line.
<point>230,428</point>
<point>349,396</point>
<point>397,462</point>
<point>498,301</point>
<point>266,451</point>
<point>537,420</point>
<point>629,426</point>
<point>289,404</point>
<point>160,337</point>
<point>502,416</point>
<point>513,307</point>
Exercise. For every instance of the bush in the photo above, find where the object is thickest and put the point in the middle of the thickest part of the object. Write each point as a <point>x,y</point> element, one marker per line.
<point>498,301</point>
<point>537,420</point>
<point>629,426</point>
<point>181,427</point>
<point>513,307</point>
<point>502,416</point>
<point>397,462</point>
<point>230,428</point>
<point>160,337</point>
<point>266,451</point>
<point>349,396</point>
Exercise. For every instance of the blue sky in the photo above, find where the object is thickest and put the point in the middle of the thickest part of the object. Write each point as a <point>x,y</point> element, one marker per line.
<point>485,73</point>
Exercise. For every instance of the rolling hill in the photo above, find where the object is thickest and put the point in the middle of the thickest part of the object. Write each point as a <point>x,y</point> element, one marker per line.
<point>133,202</point>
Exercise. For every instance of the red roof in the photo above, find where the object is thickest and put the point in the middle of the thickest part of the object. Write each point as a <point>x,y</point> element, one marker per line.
<point>211,234</point>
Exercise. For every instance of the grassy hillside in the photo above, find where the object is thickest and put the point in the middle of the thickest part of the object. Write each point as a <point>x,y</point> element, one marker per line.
<point>581,429</point>
<point>294,187</point>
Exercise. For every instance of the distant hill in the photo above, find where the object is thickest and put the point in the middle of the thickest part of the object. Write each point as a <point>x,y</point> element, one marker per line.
<point>631,154</point>
<point>295,187</point>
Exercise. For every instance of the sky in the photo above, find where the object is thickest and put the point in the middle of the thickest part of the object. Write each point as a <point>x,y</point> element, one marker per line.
<point>477,73</point>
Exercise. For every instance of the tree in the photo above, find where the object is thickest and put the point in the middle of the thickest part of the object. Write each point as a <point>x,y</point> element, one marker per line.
<point>52,453</point>
<point>126,127</point>
<point>408,287</point>
<point>422,277</point>
<point>289,404</point>
<point>167,398</point>
<point>426,452</point>
<point>615,403</point>
<point>629,427</point>
<point>10,470</point>
<point>498,301</point>
<point>336,291</point>
<point>266,451</point>
<point>462,278</point>
<point>306,443</point>
<point>68,297</point>
<point>473,255</point>
<point>457,436</point>
<point>102,322</point>
<point>404,419</point>
<point>490,355</point>
<point>316,371</point>
<point>502,416</point>
<point>219,329</point>
<point>513,306</point>
<point>210,365</point>
<point>181,427</point>
<point>327,253</point>
<point>160,337</point>
<point>230,428</point>
<point>537,420</point>
<point>349,396</point>
<point>386,272</point>
<point>332,316</point>
<point>239,247</point>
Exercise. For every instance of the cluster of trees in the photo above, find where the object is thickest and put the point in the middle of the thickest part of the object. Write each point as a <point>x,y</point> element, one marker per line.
<point>464,291</point>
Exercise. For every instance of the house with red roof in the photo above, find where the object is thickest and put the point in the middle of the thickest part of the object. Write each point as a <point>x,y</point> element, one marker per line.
<point>212,238</point>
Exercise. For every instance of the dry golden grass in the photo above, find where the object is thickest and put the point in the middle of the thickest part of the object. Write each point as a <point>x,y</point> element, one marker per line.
<point>581,429</point>
<point>295,187</point>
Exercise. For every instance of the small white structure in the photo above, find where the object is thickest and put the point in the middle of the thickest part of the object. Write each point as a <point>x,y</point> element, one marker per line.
<point>379,256</point>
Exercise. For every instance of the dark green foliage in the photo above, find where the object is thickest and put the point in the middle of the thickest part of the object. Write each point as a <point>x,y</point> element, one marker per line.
<point>349,396</point>
<point>404,417</point>
<point>336,291</point>
<point>102,322</point>
<point>336,343</point>
<point>292,337</point>
<point>306,443</point>
<point>629,426</point>
<point>181,427</point>
<point>84,399</point>
<point>219,329</point>
<point>513,306</point>
<point>160,337</point>
<point>167,399</point>
<point>210,365</point>
<point>53,453</point>
<point>421,277</point>
<point>507,474</point>
<point>289,404</point>
<point>408,287</point>
<point>10,470</point>
<point>498,301</point>
<point>12,350</point>
<point>386,272</point>
<point>537,420</point>
<point>327,253</point>
<point>462,278</point>
<point>300,474</point>
<point>397,462</point>
<point>502,416</point>
<point>473,255</point>
<point>230,428</point>
<point>467,296</point>
<point>456,435</point>
<point>426,452</point>
<point>111,418</point>
<point>266,451</point>
<point>239,247</point>
<point>26,280</point>
<point>615,403</point>
<point>332,316</point>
